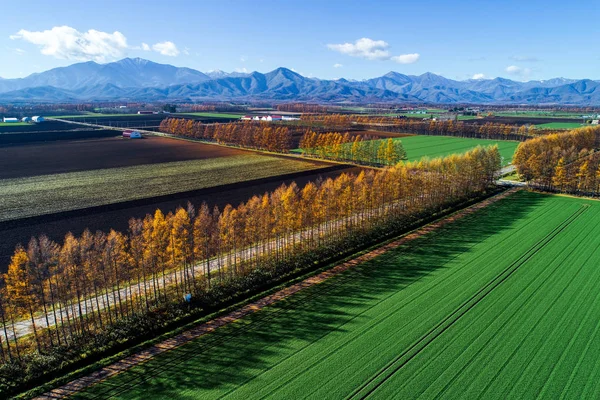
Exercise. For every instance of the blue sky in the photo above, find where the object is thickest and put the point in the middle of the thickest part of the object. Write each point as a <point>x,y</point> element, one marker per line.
<point>520,40</point>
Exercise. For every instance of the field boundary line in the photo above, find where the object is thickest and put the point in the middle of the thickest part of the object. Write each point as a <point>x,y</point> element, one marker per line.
<point>143,356</point>
<point>368,387</point>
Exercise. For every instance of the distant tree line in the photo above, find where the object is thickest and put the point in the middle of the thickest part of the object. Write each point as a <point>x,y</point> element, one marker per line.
<point>96,290</point>
<point>355,148</point>
<point>263,136</point>
<point>565,162</point>
<point>423,127</point>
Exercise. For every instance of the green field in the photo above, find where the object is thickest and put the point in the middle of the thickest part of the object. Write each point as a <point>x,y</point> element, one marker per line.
<point>13,123</point>
<point>37,195</point>
<point>541,114</point>
<point>500,304</point>
<point>437,146</point>
<point>99,115</point>
<point>213,115</point>
<point>559,125</point>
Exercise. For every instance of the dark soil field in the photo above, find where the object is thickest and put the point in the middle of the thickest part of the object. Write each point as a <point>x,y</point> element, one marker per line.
<point>116,216</point>
<point>41,127</point>
<point>7,139</point>
<point>52,158</point>
<point>149,122</point>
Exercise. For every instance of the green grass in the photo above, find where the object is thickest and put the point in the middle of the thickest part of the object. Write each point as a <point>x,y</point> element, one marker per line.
<point>13,123</point>
<point>213,115</point>
<point>501,304</point>
<point>97,115</point>
<point>437,146</point>
<point>541,114</point>
<point>559,125</point>
<point>31,196</point>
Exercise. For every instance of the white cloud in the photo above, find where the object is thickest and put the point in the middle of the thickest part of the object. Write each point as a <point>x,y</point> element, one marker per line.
<point>338,65</point>
<point>515,70</point>
<point>406,58</point>
<point>478,76</point>
<point>166,49</point>
<point>68,43</point>
<point>243,58</point>
<point>242,70</point>
<point>363,48</point>
<point>372,50</point>
<point>145,47</point>
<point>186,51</point>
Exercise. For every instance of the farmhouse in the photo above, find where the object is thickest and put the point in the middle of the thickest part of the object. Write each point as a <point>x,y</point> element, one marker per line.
<point>132,134</point>
<point>266,118</point>
<point>37,118</point>
<point>10,119</point>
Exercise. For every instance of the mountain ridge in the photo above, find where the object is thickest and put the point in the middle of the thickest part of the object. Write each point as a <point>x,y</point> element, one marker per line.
<point>144,80</point>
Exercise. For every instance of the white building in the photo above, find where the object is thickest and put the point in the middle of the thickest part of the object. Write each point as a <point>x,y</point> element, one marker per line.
<point>595,122</point>
<point>37,118</point>
<point>286,118</point>
<point>10,119</point>
<point>26,119</point>
<point>246,118</point>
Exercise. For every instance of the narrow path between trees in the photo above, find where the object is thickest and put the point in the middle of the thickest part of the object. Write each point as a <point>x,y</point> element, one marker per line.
<point>202,329</point>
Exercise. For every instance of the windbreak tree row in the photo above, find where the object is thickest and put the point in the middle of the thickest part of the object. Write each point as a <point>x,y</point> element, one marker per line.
<point>355,148</point>
<point>62,302</point>
<point>424,127</point>
<point>565,162</point>
<point>263,136</point>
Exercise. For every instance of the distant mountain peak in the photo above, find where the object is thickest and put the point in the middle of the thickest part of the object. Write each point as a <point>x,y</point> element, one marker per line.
<point>141,79</point>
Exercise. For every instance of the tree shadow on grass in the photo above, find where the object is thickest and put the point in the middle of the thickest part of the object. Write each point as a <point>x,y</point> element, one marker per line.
<point>214,364</point>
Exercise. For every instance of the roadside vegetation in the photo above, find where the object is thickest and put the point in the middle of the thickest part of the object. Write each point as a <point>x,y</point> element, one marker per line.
<point>64,303</point>
<point>499,304</point>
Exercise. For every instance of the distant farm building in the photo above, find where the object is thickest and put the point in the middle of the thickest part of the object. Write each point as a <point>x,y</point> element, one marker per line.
<point>266,118</point>
<point>595,122</point>
<point>129,134</point>
<point>147,112</point>
<point>37,118</point>
<point>11,120</point>
<point>288,118</point>
<point>26,119</point>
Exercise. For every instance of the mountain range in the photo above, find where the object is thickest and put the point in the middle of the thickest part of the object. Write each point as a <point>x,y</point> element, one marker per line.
<point>143,80</point>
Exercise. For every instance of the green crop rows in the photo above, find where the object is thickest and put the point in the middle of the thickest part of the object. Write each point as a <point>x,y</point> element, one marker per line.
<point>437,146</point>
<point>559,125</point>
<point>501,304</point>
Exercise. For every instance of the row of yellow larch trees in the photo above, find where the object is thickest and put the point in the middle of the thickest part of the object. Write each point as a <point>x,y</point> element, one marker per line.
<point>565,162</point>
<point>101,287</point>
<point>249,134</point>
<point>353,148</point>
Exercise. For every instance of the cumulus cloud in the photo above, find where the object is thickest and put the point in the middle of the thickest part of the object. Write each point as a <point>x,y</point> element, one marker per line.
<point>478,76</point>
<point>166,49</point>
<point>241,70</point>
<point>370,49</point>
<point>68,43</point>
<point>363,48</point>
<point>518,71</point>
<point>338,65</point>
<point>65,42</point>
<point>406,58</point>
